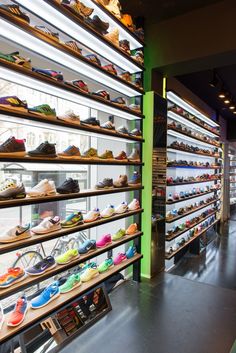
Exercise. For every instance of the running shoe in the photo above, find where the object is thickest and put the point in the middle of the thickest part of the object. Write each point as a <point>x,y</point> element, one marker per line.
<point>126,76</point>
<point>107,183</point>
<point>127,20</point>
<point>132,229</point>
<point>48,225</point>
<point>15,58</point>
<point>70,117</point>
<point>2,317</point>
<point>134,205</point>
<point>47,32</point>
<point>125,46</point>
<point>43,110</point>
<point>74,46</point>
<point>115,8</point>
<point>41,267</point>
<point>67,257</point>
<point>136,133</point>
<point>45,149</point>
<point>15,11</point>
<point>106,155</point>
<point>17,316</point>
<point>55,75</point>
<point>71,152</point>
<point>92,216</point>
<point>77,7</point>
<point>113,36</point>
<point>102,94</point>
<point>140,33</point>
<point>89,274</point>
<point>50,293</point>
<point>97,24</point>
<point>134,156</point>
<point>135,180</point>
<point>13,147</point>
<point>73,220</point>
<point>119,101</point>
<point>9,189</point>
<point>119,234</point>
<point>110,68</point>
<point>72,282</point>
<point>91,153</point>
<point>105,265</point>
<point>122,208</point>
<point>122,156</point>
<point>108,211</point>
<point>13,103</point>
<point>122,130</point>
<point>139,57</point>
<point>121,182</point>
<point>94,59</point>
<point>91,121</point>
<point>108,125</point>
<point>104,241</point>
<point>135,107</point>
<point>16,234</point>
<point>88,246</point>
<point>44,188</point>
<point>119,258</point>
<point>80,84</point>
<point>69,186</point>
<point>12,276</point>
<point>131,252</point>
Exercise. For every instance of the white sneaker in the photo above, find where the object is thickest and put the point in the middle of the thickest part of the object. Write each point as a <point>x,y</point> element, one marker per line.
<point>134,205</point>
<point>15,234</point>
<point>48,225</point>
<point>92,215</point>
<point>43,188</point>
<point>114,7</point>
<point>70,117</point>
<point>122,208</point>
<point>1,316</point>
<point>108,211</point>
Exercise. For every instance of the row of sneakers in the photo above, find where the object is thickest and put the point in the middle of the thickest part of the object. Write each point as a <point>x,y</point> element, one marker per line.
<point>171,215</point>
<point>182,195</point>
<point>176,109</point>
<point>56,288</point>
<point>189,223</point>
<point>189,148</point>
<point>194,164</point>
<point>194,232</point>
<point>183,128</point>
<point>16,147</point>
<point>191,179</point>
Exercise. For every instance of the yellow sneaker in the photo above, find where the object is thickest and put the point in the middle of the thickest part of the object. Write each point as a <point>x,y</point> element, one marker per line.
<point>89,274</point>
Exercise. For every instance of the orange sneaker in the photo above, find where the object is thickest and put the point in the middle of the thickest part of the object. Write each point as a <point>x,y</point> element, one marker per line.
<point>133,228</point>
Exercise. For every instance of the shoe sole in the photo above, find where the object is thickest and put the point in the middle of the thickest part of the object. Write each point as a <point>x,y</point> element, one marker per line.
<point>97,274</point>
<point>76,286</point>
<point>72,226</point>
<point>12,325</point>
<point>107,269</point>
<point>69,157</point>
<point>67,262</point>
<point>105,187</point>
<point>18,196</point>
<point>68,192</point>
<point>51,193</point>
<point>121,212</point>
<point>100,247</point>
<point>38,274</point>
<point>108,216</point>
<point>87,252</point>
<point>42,155</point>
<point>18,154</point>
<point>69,121</point>
<point>47,232</point>
<point>53,298</point>
<point>16,281</point>
<point>8,107</point>
<point>19,238</point>
<point>43,115</point>
<point>92,220</point>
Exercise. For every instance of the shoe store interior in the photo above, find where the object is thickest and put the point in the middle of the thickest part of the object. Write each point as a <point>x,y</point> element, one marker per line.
<point>117,176</point>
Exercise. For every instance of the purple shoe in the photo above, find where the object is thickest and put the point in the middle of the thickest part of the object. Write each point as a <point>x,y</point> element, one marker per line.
<point>13,102</point>
<point>55,75</point>
<point>104,241</point>
<point>41,267</point>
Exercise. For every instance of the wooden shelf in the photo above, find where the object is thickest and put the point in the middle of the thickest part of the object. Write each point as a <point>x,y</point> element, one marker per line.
<point>190,167</point>
<point>169,148</point>
<point>32,280</point>
<point>194,182</point>
<point>192,137</point>
<point>170,256</point>
<point>189,198</point>
<point>35,316</point>
<point>60,197</point>
<point>35,239</point>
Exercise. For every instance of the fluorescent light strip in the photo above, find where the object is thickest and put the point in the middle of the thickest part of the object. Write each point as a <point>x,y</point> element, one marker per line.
<point>188,138</point>
<point>24,80</point>
<point>28,41</point>
<point>74,30</point>
<point>183,104</point>
<point>185,121</point>
<point>170,150</point>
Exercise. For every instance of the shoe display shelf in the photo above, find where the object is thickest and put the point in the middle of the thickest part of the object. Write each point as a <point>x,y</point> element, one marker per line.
<point>44,47</point>
<point>232,176</point>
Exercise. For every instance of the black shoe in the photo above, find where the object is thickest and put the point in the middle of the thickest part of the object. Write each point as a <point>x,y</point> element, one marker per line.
<point>45,149</point>
<point>15,11</point>
<point>98,24</point>
<point>69,186</point>
<point>90,121</point>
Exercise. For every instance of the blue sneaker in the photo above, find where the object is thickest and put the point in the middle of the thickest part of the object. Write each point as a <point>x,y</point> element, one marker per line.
<point>131,252</point>
<point>136,179</point>
<point>182,195</point>
<point>41,267</point>
<point>50,293</point>
<point>55,75</point>
<point>87,246</point>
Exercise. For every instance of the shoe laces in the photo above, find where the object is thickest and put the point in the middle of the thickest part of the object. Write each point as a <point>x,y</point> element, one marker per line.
<point>7,184</point>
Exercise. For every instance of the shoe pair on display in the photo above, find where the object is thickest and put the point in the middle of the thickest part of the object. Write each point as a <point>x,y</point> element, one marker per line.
<point>193,164</point>
<point>192,149</point>
<point>191,179</point>
<point>122,181</point>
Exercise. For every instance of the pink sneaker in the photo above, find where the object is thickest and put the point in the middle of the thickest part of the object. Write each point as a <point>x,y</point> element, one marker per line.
<point>119,258</point>
<point>104,241</point>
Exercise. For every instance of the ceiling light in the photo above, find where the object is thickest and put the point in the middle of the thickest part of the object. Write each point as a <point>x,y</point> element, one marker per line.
<point>234,112</point>
<point>232,106</point>
<point>227,100</point>
<point>215,81</point>
<point>222,94</point>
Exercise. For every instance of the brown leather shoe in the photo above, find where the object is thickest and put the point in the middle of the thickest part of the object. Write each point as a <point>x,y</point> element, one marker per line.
<point>121,182</point>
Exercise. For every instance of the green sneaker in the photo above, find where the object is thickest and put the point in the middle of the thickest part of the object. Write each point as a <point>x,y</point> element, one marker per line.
<point>67,257</point>
<point>16,59</point>
<point>90,153</point>
<point>43,110</point>
<point>121,233</point>
<point>73,220</point>
<point>105,265</point>
<point>72,282</point>
<point>107,155</point>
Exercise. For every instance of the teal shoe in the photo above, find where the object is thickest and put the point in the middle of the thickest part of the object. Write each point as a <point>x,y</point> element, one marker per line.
<point>105,265</point>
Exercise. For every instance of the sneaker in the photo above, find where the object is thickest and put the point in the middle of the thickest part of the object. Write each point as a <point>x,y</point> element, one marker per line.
<point>126,19</point>
<point>108,125</point>
<point>69,186</point>
<point>13,103</point>
<point>125,46</point>
<point>105,184</point>
<point>122,130</point>
<point>74,46</point>
<point>106,155</point>
<point>119,234</point>
<point>122,208</point>
<point>15,11</point>
<point>135,107</point>
<point>15,58</point>
<point>92,216</point>
<point>55,75</point>
<point>50,293</point>
<point>91,121</point>
<point>131,252</point>
<point>132,229</point>
<point>9,189</point>
<point>108,211</point>
<point>105,265</point>
<point>121,182</point>
<point>102,94</point>
<point>70,117</point>
<point>80,84</point>
<point>17,316</point>
<point>135,180</point>
<point>43,188</point>
<point>91,153</point>
<point>115,8</point>
<point>170,197</point>
<point>134,205</point>
<point>110,68</point>
<point>89,274</point>
<point>97,24</point>
<point>140,33</point>
<point>71,152</point>
<point>77,7</point>
<point>104,241</point>
<point>45,149</point>
<point>16,234</point>
<point>2,317</point>
<point>43,110</point>
<point>138,82</point>
<point>119,258</point>
<point>88,246</point>
<point>47,32</point>
<point>13,147</point>
<point>139,57</point>
<point>126,76</point>
<point>67,257</point>
<point>41,267</point>
<point>73,220</point>
<point>72,282</point>
<point>94,59</point>
<point>134,156</point>
<point>12,276</point>
<point>122,156</point>
<point>136,133</point>
<point>48,225</point>
<point>113,36</point>
<point>119,101</point>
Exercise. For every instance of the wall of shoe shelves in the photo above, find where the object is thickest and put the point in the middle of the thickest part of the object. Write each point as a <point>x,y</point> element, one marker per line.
<point>232,179</point>
<point>100,73</point>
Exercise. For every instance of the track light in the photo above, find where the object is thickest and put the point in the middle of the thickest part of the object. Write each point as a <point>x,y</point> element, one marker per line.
<point>215,81</point>
<point>234,112</point>
<point>232,106</point>
<point>227,99</point>
<point>222,94</point>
